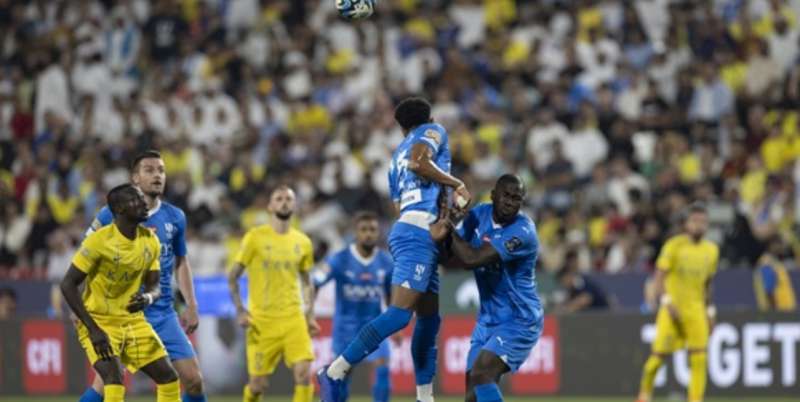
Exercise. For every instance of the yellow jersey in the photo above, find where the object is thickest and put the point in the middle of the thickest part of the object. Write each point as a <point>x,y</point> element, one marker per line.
<point>115,266</point>
<point>688,266</point>
<point>273,263</point>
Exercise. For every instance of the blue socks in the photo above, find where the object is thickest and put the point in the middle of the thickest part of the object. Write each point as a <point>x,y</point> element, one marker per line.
<point>382,387</point>
<point>191,398</point>
<point>372,334</point>
<point>90,395</point>
<point>423,348</point>
<point>488,393</point>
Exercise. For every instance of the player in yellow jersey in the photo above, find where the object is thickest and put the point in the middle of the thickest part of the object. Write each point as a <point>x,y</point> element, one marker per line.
<point>116,261</point>
<point>684,271</point>
<point>280,320</point>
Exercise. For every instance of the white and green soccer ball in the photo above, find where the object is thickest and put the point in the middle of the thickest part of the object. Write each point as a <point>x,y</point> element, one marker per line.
<point>355,9</point>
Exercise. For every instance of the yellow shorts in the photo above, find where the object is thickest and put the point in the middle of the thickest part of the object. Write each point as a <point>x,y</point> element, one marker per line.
<point>691,332</point>
<point>269,339</point>
<point>133,340</point>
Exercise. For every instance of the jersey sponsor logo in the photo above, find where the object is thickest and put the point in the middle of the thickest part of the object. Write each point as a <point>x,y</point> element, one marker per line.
<point>362,292</point>
<point>365,276</point>
<point>410,197</point>
<point>513,243</point>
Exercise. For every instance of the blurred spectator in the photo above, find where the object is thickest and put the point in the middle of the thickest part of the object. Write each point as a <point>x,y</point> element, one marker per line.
<point>771,282</point>
<point>582,294</point>
<point>8,303</point>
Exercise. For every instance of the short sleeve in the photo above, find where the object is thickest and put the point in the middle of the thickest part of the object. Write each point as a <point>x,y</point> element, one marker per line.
<point>245,253</point>
<point>103,218</point>
<point>179,240</point>
<point>308,256</point>
<point>394,191</point>
<point>88,255</point>
<point>515,241</point>
<point>432,137</point>
<point>714,261</point>
<point>666,258</point>
<point>326,272</point>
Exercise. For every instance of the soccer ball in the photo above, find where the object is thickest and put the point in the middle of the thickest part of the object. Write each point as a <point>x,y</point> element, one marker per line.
<point>355,9</point>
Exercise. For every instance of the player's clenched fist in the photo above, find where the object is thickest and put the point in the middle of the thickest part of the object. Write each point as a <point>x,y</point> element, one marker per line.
<point>100,343</point>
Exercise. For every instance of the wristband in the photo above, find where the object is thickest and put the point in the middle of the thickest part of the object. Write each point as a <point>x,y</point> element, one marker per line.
<point>149,298</point>
<point>711,311</point>
<point>666,299</point>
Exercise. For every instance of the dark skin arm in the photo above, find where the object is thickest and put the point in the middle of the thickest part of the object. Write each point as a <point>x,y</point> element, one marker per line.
<point>473,257</point>
<point>69,288</point>
<point>421,164</point>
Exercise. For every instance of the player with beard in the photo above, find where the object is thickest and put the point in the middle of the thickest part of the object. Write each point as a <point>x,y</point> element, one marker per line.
<point>363,276</point>
<point>280,321</point>
<point>168,223</point>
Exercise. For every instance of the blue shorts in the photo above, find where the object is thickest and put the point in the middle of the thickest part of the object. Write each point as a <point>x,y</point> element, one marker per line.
<point>415,258</point>
<point>512,342</point>
<point>172,335</point>
<point>382,352</point>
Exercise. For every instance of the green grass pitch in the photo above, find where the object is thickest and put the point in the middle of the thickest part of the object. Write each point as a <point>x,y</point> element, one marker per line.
<point>231,398</point>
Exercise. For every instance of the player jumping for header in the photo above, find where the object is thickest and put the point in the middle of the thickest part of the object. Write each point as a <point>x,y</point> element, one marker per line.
<point>419,173</point>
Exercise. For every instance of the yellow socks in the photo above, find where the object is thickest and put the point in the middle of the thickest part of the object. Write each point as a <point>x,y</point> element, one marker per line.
<point>249,396</point>
<point>113,393</point>
<point>651,367</point>
<point>169,392</point>
<point>303,393</point>
<point>697,381</point>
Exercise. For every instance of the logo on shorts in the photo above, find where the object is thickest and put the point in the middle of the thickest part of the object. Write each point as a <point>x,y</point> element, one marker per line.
<point>420,270</point>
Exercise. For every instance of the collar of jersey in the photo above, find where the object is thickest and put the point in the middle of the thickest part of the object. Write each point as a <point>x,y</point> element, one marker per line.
<point>363,260</point>
<point>155,209</point>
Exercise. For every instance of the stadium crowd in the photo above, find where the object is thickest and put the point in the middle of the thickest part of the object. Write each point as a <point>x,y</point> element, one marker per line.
<point>616,113</point>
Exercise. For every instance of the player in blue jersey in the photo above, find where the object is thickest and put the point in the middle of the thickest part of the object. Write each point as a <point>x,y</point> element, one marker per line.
<point>363,274</point>
<point>418,176</point>
<point>169,224</point>
<point>500,245</point>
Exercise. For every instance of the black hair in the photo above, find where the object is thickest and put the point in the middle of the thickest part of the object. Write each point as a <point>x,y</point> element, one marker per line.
<point>511,179</point>
<point>362,216</point>
<point>696,207</point>
<point>151,153</point>
<point>412,112</point>
<point>116,196</point>
<point>8,292</point>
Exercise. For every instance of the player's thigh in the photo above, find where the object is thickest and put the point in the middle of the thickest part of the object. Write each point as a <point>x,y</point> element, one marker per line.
<point>113,331</point>
<point>415,258</point>
<point>160,371</point>
<point>168,328</point>
<point>668,339</point>
<point>697,331</point>
<point>507,348</point>
<point>142,345</point>
<point>263,346</point>
<point>297,346</point>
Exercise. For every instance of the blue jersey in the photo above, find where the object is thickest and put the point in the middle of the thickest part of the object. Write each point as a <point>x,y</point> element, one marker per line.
<point>169,224</point>
<point>361,287</point>
<point>507,288</point>
<point>411,192</point>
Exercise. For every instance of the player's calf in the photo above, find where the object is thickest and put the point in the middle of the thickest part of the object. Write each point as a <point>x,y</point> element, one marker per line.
<point>303,390</point>
<point>166,379</point>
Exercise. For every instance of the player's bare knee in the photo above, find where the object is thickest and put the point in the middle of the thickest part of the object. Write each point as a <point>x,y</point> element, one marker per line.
<point>192,382</point>
<point>481,375</point>
<point>302,373</point>
<point>258,385</point>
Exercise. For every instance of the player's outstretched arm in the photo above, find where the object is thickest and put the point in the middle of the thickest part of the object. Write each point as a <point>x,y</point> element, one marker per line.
<point>152,291</point>
<point>69,287</point>
<point>189,317</point>
<point>242,316</point>
<point>421,164</point>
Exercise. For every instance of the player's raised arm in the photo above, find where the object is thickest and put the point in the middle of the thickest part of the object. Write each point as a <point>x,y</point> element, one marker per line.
<point>422,165</point>
<point>69,288</point>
